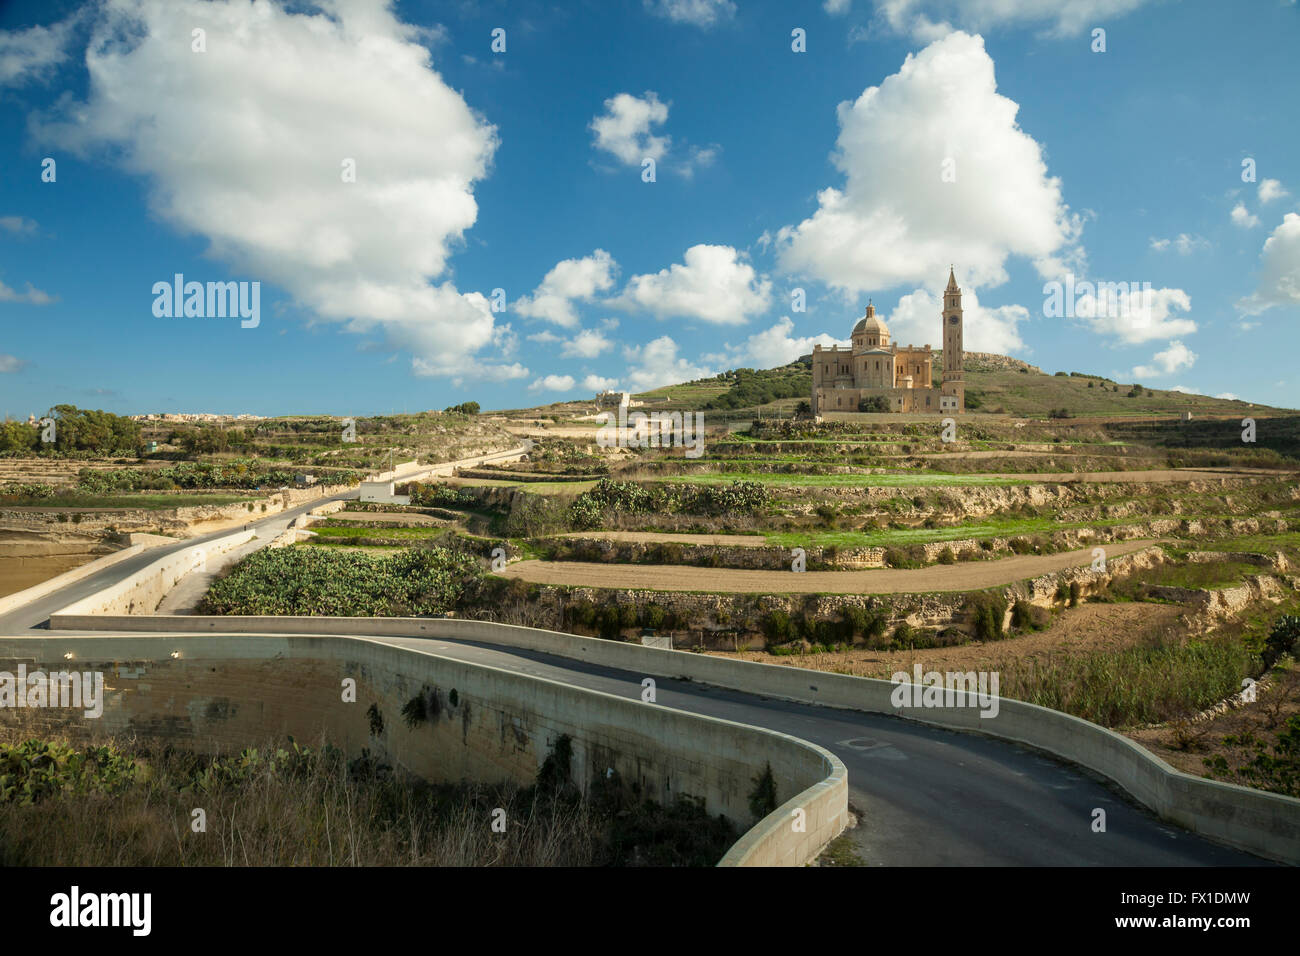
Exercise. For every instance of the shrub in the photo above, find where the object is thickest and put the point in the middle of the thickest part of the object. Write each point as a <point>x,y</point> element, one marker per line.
<point>987,610</point>
<point>1028,617</point>
<point>762,799</point>
<point>947,556</point>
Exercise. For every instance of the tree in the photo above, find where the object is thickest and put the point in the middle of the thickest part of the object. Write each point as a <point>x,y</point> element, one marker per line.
<point>873,403</point>
<point>464,408</point>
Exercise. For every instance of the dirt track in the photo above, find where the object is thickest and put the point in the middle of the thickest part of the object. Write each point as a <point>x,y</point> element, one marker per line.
<point>940,577</point>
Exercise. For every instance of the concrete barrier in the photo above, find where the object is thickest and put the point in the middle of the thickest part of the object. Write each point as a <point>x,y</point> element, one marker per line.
<point>141,592</point>
<point>486,724</point>
<point>1258,822</point>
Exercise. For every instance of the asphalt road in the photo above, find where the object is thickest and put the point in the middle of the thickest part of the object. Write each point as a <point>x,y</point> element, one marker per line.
<point>926,796</point>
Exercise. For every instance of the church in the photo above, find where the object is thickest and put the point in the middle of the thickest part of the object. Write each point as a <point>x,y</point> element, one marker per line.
<point>873,374</point>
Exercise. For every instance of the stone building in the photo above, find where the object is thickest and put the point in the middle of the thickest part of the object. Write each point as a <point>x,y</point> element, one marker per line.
<point>873,367</point>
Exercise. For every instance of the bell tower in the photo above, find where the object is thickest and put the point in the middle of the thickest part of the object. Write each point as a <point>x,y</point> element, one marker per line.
<point>953,383</point>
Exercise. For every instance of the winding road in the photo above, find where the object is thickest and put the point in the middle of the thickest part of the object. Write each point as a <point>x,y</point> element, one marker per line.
<point>926,796</point>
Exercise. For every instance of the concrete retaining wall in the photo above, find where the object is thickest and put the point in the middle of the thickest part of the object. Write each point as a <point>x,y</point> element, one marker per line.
<point>19,598</point>
<point>141,592</point>
<point>487,724</point>
<point>1262,823</point>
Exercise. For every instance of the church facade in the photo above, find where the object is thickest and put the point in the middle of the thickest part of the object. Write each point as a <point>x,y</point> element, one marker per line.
<point>873,374</point>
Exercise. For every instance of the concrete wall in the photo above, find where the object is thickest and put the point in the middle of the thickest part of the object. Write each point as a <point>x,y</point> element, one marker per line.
<point>19,598</point>
<point>1262,823</point>
<point>141,592</point>
<point>228,692</point>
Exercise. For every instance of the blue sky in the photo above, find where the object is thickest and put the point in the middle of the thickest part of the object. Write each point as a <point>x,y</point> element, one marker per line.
<point>909,134</point>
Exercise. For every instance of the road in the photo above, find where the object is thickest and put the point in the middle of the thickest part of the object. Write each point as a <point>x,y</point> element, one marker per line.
<point>926,796</point>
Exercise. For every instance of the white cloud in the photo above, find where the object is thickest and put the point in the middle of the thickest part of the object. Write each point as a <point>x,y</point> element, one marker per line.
<point>553,383</point>
<point>1230,396</point>
<point>656,364</point>
<point>469,372</point>
<point>896,221</point>
<point>17,225</point>
<point>34,52</point>
<point>836,7</point>
<point>928,18</point>
<point>1185,245</point>
<point>546,337</point>
<point>1243,218</point>
<point>568,280</point>
<point>1133,315</point>
<point>700,13</point>
<point>711,284</point>
<point>32,295</point>
<point>239,151</point>
<point>775,346</point>
<point>916,321</point>
<point>1279,275</point>
<point>1270,189</point>
<point>595,383</point>
<point>624,129</point>
<point>10,363</point>
<point>1184,389</point>
<point>588,343</point>
<point>1173,359</point>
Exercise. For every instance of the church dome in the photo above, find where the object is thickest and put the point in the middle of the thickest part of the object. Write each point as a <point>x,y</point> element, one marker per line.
<point>871,323</point>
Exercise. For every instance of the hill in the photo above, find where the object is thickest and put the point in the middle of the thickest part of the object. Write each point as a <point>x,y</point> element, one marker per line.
<point>995,384</point>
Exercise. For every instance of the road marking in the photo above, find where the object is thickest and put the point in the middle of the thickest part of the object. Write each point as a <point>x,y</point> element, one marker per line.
<point>870,747</point>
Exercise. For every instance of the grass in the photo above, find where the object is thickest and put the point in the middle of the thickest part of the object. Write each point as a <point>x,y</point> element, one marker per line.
<point>146,502</point>
<point>282,805</point>
<point>1135,685</point>
<point>1199,575</point>
<point>533,487</point>
<point>922,479</point>
<point>890,536</point>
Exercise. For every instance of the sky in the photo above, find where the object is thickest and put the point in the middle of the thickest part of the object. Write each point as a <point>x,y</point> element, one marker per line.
<point>521,202</point>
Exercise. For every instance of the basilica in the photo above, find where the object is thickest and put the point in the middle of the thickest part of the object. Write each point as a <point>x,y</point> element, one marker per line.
<point>875,375</point>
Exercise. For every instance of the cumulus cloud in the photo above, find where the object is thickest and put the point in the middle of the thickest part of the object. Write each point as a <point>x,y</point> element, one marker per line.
<point>775,346</point>
<point>836,7</point>
<point>656,364</point>
<point>1132,315</point>
<point>240,151</point>
<point>928,18</point>
<point>35,52</point>
<point>553,383</point>
<point>1279,274</point>
<point>896,220</point>
<point>31,295</point>
<point>1185,245</point>
<point>1175,358</point>
<point>1230,396</point>
<point>570,280</point>
<point>1242,217</point>
<point>17,225</point>
<point>623,130</point>
<point>588,343</point>
<point>700,13</point>
<point>711,284</point>
<point>916,321</point>
<point>10,363</point>
<point>595,383</point>
<point>1270,189</point>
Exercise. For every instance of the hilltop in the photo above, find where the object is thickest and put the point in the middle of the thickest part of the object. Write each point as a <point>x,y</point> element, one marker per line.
<point>995,384</point>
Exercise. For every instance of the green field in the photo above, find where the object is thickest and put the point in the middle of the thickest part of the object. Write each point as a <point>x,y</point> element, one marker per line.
<point>154,502</point>
<point>850,481</point>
